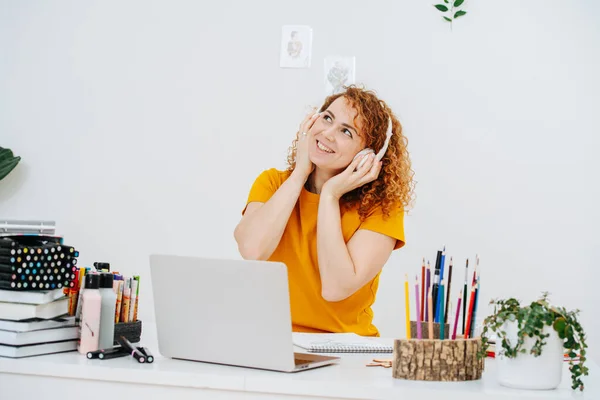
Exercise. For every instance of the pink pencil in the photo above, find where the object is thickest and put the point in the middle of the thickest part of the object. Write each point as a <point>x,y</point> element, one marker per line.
<point>456,317</point>
<point>418,308</point>
<point>427,275</point>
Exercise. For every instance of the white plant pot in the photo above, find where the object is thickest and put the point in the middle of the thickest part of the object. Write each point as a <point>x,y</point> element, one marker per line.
<point>527,371</point>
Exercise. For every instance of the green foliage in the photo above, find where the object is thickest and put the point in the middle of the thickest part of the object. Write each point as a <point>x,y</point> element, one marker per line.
<point>8,162</point>
<point>452,12</point>
<point>531,321</point>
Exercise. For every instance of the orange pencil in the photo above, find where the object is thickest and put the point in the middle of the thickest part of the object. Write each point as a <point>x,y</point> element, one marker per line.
<point>430,312</point>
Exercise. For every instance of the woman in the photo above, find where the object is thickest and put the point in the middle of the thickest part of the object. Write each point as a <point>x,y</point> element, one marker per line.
<point>332,221</point>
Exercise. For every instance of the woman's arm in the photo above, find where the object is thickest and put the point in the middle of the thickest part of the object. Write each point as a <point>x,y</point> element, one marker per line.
<point>346,268</point>
<point>262,225</point>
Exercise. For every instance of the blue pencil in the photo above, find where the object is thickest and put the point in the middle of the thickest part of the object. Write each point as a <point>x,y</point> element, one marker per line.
<point>441,296</point>
<point>439,317</point>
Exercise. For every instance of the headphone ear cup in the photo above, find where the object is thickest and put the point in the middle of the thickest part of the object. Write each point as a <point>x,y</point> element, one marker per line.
<point>364,151</point>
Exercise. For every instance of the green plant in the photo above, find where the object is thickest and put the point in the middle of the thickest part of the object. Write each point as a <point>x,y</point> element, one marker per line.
<point>451,10</point>
<point>8,162</point>
<point>531,320</point>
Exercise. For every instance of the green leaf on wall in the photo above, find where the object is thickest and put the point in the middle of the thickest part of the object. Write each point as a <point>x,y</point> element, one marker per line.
<point>447,19</point>
<point>459,13</point>
<point>441,7</point>
<point>458,3</point>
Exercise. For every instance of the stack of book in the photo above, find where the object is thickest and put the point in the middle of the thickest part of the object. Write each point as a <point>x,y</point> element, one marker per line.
<point>35,323</point>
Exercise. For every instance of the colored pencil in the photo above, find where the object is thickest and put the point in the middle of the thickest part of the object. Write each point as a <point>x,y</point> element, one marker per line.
<point>441,305</point>
<point>469,312</point>
<point>456,316</point>
<point>448,291</point>
<point>474,322</point>
<point>427,286</point>
<point>422,288</point>
<point>465,296</point>
<point>407,306</point>
<point>418,308</point>
<point>430,312</point>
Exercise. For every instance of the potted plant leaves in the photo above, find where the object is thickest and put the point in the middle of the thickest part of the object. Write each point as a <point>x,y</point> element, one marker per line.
<point>8,162</point>
<point>533,341</point>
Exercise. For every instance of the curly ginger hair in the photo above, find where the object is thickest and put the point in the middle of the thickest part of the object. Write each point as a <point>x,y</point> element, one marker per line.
<point>395,185</point>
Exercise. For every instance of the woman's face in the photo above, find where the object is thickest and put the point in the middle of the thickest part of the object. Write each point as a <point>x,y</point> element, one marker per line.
<point>337,138</point>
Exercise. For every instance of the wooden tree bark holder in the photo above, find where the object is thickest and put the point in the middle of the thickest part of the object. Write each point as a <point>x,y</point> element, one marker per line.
<point>437,360</point>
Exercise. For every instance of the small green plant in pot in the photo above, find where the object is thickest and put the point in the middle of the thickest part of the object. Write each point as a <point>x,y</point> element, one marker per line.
<point>8,162</point>
<point>532,340</point>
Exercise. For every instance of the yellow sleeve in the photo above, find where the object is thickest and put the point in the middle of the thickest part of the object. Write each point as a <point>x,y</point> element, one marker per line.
<point>392,226</point>
<point>265,185</point>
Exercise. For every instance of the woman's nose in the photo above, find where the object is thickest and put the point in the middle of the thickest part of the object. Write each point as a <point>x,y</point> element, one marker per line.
<point>329,133</point>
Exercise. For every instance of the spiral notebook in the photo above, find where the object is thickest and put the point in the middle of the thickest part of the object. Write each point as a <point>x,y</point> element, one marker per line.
<point>339,343</point>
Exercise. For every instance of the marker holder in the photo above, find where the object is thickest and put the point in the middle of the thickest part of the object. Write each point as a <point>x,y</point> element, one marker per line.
<point>437,360</point>
<point>131,330</point>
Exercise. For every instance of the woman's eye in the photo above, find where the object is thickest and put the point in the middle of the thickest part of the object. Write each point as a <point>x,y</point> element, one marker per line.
<point>347,132</point>
<point>327,118</point>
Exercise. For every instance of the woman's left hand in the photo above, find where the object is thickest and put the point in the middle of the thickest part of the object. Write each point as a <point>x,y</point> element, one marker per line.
<point>349,179</point>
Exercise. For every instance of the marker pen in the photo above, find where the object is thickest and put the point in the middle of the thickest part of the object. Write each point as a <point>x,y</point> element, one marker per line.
<point>7,243</point>
<point>146,352</point>
<point>116,354</point>
<point>138,355</point>
<point>96,353</point>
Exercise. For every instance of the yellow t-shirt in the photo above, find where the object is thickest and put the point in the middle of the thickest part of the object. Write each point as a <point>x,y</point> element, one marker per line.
<point>298,251</point>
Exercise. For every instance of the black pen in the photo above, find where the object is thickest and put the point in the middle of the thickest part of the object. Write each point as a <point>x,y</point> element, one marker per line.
<point>138,355</point>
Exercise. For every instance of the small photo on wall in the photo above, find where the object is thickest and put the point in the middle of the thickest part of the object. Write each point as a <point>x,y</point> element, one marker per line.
<point>339,72</point>
<point>296,46</point>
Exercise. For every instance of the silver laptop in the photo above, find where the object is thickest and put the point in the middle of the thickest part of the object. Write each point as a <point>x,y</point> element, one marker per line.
<point>232,312</point>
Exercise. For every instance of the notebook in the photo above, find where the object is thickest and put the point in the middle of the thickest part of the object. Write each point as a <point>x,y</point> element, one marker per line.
<point>35,337</point>
<point>21,311</point>
<point>36,324</point>
<point>339,343</point>
<point>31,297</point>
<point>38,349</point>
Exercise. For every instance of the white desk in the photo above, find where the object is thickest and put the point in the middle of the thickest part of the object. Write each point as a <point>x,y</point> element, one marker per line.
<point>71,376</point>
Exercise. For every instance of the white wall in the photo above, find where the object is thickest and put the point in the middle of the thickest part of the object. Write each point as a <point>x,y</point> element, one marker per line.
<point>142,125</point>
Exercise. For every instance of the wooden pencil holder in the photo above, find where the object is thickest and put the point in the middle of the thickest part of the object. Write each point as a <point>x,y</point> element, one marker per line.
<point>437,360</point>
<point>131,330</point>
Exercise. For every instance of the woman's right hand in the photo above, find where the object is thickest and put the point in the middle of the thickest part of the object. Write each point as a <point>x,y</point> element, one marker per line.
<point>305,139</point>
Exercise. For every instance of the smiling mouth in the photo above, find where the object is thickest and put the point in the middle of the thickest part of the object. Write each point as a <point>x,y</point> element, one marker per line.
<point>324,148</point>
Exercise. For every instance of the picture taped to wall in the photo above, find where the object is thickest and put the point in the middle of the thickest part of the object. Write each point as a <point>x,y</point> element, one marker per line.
<point>296,46</point>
